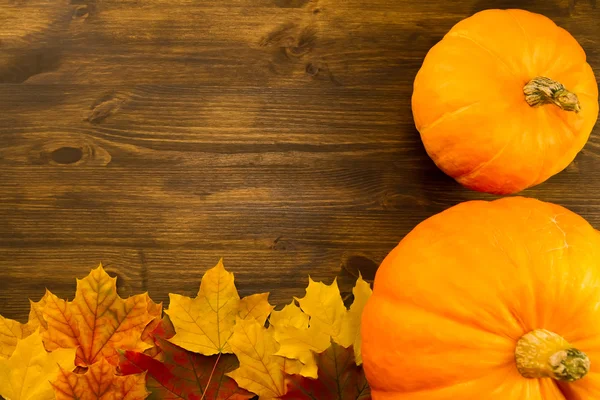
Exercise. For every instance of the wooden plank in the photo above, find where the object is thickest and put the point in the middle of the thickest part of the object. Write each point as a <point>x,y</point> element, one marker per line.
<point>284,269</point>
<point>157,137</point>
<point>268,43</point>
<point>273,228</point>
<point>203,127</point>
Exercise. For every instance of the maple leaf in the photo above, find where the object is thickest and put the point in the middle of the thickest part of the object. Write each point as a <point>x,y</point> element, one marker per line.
<point>329,319</point>
<point>97,322</point>
<point>36,308</point>
<point>255,306</point>
<point>204,324</point>
<point>261,371</point>
<point>27,373</point>
<point>183,374</point>
<point>339,378</point>
<point>324,304</point>
<point>296,339</point>
<point>11,331</point>
<point>99,382</point>
<point>290,315</point>
<point>350,332</point>
<point>155,311</point>
<point>299,344</point>
<point>163,330</point>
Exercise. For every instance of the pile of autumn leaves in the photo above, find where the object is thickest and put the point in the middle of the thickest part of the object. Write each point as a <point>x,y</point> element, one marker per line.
<point>214,346</point>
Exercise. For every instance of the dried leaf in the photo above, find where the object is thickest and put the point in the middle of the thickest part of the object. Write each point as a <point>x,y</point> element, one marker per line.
<point>260,371</point>
<point>155,311</point>
<point>323,303</point>
<point>350,333</point>
<point>296,339</point>
<point>204,324</point>
<point>97,322</point>
<point>27,373</point>
<point>339,378</point>
<point>164,330</point>
<point>36,316</point>
<point>255,306</point>
<point>185,375</point>
<point>11,331</point>
<point>99,382</point>
<point>290,315</point>
<point>301,344</point>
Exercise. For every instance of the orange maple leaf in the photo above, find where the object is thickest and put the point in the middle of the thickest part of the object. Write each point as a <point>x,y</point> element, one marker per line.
<point>98,322</point>
<point>155,311</point>
<point>99,382</point>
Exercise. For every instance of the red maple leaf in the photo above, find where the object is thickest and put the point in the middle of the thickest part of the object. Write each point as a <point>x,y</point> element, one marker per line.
<point>174,373</point>
<point>339,378</point>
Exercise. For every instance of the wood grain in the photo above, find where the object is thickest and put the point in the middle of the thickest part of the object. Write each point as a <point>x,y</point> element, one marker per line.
<point>157,136</point>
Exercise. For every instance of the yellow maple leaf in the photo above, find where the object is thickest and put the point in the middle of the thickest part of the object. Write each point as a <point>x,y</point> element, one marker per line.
<point>255,306</point>
<point>27,373</point>
<point>290,315</point>
<point>300,344</point>
<point>350,332</point>
<point>261,371</point>
<point>99,382</point>
<point>298,341</point>
<point>205,324</point>
<point>11,331</point>
<point>98,322</point>
<point>324,304</point>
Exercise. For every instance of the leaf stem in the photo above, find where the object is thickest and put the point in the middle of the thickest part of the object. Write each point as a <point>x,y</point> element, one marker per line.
<point>210,377</point>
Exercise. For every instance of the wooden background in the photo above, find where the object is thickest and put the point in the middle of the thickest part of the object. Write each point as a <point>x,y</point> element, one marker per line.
<point>157,136</point>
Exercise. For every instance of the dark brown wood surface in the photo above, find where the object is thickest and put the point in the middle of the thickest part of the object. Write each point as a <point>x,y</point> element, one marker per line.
<point>157,136</point>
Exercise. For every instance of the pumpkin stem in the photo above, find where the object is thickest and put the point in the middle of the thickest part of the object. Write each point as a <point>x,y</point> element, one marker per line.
<point>542,90</point>
<point>541,354</point>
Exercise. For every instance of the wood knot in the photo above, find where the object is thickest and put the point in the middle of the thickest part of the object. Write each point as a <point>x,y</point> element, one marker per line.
<point>293,41</point>
<point>70,150</point>
<point>306,42</point>
<point>312,69</point>
<point>81,12</point>
<point>282,245</point>
<point>66,155</point>
<point>398,201</point>
<point>105,106</point>
<point>320,71</point>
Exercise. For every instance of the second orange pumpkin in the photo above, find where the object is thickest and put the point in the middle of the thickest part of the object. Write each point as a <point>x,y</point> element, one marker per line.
<point>488,300</point>
<point>505,100</point>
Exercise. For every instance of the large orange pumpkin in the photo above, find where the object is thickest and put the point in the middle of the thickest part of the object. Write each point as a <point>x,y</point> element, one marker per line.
<point>505,100</point>
<point>488,300</point>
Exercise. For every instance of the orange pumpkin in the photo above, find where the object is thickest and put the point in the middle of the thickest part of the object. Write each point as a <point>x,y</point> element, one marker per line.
<point>488,300</point>
<point>504,101</point>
